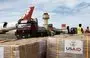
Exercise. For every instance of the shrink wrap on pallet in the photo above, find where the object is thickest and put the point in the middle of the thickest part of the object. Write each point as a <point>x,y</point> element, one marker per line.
<point>24,48</point>
<point>42,48</point>
<point>76,46</point>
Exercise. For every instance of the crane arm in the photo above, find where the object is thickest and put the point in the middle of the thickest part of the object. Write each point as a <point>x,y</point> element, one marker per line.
<point>28,15</point>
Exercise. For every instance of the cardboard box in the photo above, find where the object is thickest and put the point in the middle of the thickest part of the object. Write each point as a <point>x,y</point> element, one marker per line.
<point>68,47</point>
<point>25,48</point>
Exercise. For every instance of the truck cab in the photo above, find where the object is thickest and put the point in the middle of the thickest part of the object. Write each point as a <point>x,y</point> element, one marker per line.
<point>26,28</point>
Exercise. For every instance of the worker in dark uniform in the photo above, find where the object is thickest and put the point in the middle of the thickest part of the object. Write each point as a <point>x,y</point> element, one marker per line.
<point>87,30</point>
<point>51,31</point>
<point>68,29</point>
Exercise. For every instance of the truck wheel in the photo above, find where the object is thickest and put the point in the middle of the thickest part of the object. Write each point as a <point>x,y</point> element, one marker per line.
<point>18,36</point>
<point>29,35</point>
<point>41,34</point>
<point>52,33</point>
<point>23,36</point>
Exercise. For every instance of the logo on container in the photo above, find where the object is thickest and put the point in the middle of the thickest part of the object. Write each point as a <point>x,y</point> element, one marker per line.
<point>73,46</point>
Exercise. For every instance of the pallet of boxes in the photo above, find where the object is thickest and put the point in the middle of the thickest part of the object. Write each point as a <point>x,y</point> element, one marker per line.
<point>25,48</point>
<point>77,46</point>
<point>63,46</point>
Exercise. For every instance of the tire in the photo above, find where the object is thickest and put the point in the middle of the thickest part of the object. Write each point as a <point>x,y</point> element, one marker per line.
<point>18,36</point>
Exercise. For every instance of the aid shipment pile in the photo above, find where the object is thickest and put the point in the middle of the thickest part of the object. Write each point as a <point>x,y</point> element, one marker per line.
<point>44,29</point>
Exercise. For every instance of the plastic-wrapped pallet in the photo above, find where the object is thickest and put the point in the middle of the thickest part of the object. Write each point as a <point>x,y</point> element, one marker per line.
<point>42,48</point>
<point>25,48</point>
<point>20,51</point>
<point>76,46</point>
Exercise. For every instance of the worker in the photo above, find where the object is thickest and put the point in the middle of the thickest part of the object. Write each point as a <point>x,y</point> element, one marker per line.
<point>68,30</point>
<point>80,29</point>
<point>51,32</point>
<point>87,30</point>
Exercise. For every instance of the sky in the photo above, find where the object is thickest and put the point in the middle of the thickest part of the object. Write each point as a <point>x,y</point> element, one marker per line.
<point>70,12</point>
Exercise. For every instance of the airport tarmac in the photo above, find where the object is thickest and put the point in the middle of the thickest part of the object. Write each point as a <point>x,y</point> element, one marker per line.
<point>11,35</point>
<point>8,35</point>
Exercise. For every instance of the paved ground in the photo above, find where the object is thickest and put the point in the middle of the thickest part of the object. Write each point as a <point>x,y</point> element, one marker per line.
<point>8,35</point>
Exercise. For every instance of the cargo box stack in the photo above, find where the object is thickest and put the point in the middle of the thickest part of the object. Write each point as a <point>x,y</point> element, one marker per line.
<point>25,48</point>
<point>76,46</point>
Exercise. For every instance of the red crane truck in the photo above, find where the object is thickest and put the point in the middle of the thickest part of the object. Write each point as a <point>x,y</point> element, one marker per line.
<point>28,27</point>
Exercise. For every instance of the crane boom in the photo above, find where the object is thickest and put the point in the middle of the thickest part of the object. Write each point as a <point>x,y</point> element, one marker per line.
<point>28,15</point>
